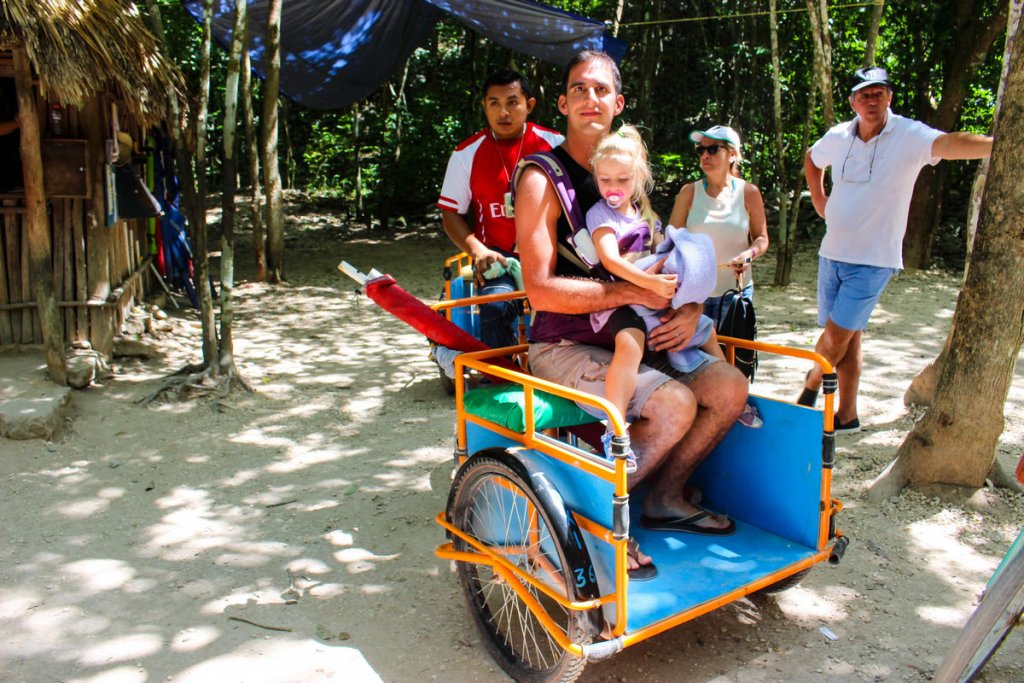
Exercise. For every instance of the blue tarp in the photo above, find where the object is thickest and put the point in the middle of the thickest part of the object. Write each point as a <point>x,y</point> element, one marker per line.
<point>336,52</point>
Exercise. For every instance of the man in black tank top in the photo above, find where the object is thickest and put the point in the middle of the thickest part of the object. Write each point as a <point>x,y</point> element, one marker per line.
<point>667,406</point>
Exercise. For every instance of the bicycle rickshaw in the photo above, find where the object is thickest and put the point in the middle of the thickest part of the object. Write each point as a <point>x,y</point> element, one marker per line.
<point>538,521</point>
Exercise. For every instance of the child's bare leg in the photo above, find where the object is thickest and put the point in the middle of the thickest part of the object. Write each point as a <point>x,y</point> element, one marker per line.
<point>621,380</point>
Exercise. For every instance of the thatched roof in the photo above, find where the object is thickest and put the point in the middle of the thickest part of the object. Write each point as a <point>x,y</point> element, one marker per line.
<point>80,47</point>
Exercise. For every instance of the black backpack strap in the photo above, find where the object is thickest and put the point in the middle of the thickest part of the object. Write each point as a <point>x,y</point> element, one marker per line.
<point>566,193</point>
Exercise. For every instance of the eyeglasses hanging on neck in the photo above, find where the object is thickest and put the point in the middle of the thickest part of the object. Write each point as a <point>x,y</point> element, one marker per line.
<point>857,173</point>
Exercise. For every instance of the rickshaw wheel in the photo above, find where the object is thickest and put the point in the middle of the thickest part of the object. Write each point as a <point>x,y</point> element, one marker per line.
<point>493,503</point>
<point>786,583</point>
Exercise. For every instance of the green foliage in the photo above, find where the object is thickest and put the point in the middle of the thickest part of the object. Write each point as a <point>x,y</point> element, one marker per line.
<point>678,76</point>
<point>328,154</point>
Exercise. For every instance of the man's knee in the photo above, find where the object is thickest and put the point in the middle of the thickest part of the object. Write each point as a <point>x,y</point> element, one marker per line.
<point>672,406</point>
<point>721,387</point>
<point>835,341</point>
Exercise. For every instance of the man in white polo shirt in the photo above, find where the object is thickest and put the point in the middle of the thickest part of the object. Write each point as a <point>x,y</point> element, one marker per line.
<point>875,160</point>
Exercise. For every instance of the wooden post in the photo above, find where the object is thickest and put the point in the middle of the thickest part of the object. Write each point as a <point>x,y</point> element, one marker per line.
<point>25,269</point>
<point>10,322</point>
<point>69,274</point>
<point>81,286</point>
<point>56,217</point>
<point>101,319</point>
<point>36,223</point>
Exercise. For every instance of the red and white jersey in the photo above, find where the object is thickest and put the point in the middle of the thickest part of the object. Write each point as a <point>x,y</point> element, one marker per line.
<point>479,173</point>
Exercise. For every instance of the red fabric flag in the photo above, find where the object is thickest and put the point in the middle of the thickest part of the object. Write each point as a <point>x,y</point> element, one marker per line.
<point>386,293</point>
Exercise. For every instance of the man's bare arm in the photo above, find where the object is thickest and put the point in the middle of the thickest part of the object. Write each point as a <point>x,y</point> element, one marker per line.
<point>816,184</point>
<point>962,146</point>
<point>537,212</point>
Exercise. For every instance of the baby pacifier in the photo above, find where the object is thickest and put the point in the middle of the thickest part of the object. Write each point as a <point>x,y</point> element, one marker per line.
<point>614,199</point>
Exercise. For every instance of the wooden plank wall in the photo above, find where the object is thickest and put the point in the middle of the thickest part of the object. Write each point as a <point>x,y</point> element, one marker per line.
<point>19,322</point>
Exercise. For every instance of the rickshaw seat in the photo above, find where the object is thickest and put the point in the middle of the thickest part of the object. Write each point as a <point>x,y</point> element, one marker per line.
<point>505,404</point>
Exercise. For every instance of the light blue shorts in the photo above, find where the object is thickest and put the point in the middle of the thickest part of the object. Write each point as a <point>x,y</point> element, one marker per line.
<point>848,292</point>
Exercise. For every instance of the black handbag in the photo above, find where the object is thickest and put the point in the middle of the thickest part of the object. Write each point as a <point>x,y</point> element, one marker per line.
<point>734,316</point>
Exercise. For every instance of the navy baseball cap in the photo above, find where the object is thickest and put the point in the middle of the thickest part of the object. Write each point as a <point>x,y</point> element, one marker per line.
<point>871,75</point>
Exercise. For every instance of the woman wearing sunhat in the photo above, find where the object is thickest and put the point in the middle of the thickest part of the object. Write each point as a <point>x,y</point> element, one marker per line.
<point>727,209</point>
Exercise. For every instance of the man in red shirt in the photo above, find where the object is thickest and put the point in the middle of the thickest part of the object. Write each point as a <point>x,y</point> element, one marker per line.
<point>475,199</point>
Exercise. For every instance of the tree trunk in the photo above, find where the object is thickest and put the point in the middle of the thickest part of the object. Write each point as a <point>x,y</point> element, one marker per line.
<point>203,105</point>
<point>649,58</point>
<point>252,141</point>
<point>826,61</point>
<point>357,153</point>
<point>618,18</point>
<point>822,43</point>
<point>973,42</point>
<point>708,44</point>
<point>784,273</point>
<point>37,225</point>
<point>201,257</point>
<point>737,97</point>
<point>471,105</point>
<point>288,160</point>
<point>871,40</point>
<point>789,196</point>
<point>782,250</point>
<point>388,189</point>
<point>955,441</point>
<point>226,357</point>
<point>271,171</point>
<point>922,388</point>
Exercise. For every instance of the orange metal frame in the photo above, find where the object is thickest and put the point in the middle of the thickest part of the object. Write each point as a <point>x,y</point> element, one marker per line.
<point>612,472</point>
<point>454,264</point>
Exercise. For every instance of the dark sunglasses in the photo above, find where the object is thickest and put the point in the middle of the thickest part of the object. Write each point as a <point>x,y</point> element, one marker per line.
<point>710,149</point>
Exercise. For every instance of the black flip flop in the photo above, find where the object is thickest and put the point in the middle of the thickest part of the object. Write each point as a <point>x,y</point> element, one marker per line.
<point>686,524</point>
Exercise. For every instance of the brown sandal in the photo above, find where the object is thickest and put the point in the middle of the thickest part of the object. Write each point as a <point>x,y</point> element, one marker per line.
<point>642,572</point>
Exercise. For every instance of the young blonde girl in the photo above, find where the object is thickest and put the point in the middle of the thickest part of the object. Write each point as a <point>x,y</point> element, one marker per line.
<point>624,228</point>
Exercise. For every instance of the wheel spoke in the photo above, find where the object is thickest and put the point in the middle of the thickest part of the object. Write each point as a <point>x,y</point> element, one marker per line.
<point>493,506</point>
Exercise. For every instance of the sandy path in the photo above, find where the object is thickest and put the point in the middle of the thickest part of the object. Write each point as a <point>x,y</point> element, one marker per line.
<point>287,535</point>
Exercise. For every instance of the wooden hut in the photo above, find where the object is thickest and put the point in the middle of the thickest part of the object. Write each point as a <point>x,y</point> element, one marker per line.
<point>75,73</point>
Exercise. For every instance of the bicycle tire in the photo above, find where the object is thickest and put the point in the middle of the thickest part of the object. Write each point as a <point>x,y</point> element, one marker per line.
<point>494,503</point>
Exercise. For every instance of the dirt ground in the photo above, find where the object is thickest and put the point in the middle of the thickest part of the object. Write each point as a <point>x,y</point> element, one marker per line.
<point>288,534</point>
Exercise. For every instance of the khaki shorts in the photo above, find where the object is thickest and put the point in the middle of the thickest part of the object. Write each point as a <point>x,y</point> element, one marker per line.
<point>585,368</point>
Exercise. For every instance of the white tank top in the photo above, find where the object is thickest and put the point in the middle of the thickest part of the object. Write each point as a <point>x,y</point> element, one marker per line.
<point>725,220</point>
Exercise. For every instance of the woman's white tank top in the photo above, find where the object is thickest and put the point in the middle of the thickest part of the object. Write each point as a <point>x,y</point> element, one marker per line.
<point>725,220</point>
